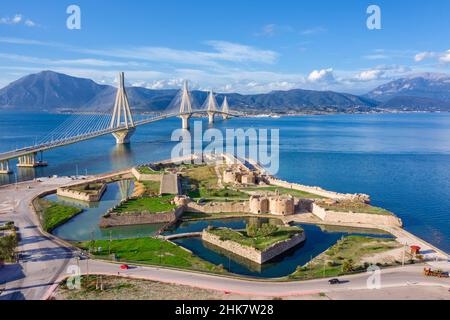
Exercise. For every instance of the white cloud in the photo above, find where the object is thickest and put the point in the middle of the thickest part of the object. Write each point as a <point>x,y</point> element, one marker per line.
<point>324,75</point>
<point>17,20</point>
<point>270,30</point>
<point>370,75</point>
<point>222,51</point>
<point>441,57</point>
<point>313,31</point>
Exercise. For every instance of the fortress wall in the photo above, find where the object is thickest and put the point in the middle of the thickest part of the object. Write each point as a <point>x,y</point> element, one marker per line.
<point>137,218</point>
<point>219,207</point>
<point>358,218</point>
<point>80,195</point>
<point>319,191</point>
<point>252,253</point>
<point>145,177</point>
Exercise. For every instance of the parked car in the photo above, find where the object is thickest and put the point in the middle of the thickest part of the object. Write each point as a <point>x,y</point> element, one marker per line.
<point>334,281</point>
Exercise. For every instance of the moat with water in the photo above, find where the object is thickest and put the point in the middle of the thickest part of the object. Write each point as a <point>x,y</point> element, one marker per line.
<point>400,160</point>
<point>85,227</point>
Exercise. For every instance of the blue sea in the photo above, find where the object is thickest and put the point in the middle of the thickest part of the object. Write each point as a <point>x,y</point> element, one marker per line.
<point>401,160</point>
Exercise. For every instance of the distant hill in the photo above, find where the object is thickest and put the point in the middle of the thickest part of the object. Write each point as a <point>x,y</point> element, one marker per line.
<point>49,91</point>
<point>427,91</point>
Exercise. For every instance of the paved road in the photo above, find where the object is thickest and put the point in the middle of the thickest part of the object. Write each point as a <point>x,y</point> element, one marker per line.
<point>46,260</point>
<point>43,259</point>
<point>409,276</point>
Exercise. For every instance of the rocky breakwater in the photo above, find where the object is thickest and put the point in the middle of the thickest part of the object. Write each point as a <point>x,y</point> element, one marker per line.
<point>249,252</point>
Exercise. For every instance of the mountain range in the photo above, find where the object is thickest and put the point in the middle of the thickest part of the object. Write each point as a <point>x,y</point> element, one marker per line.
<point>49,91</point>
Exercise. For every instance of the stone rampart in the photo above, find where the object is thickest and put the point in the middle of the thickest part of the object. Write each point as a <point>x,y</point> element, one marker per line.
<point>219,207</point>
<point>80,195</point>
<point>354,217</point>
<point>145,177</point>
<point>136,218</point>
<point>253,254</point>
<point>319,191</point>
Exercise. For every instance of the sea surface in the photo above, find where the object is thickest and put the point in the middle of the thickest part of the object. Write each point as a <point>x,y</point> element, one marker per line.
<point>401,160</point>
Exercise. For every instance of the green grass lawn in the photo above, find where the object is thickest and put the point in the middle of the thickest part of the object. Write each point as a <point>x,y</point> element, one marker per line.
<point>357,207</point>
<point>147,170</point>
<point>54,214</point>
<point>292,192</point>
<point>152,187</point>
<point>149,251</point>
<point>259,243</point>
<point>150,204</point>
<point>345,256</point>
<point>200,182</point>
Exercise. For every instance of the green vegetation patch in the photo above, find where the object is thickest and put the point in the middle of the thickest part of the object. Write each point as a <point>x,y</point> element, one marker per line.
<point>261,239</point>
<point>357,207</point>
<point>147,204</point>
<point>345,257</point>
<point>292,192</point>
<point>152,187</point>
<point>200,182</point>
<point>8,244</point>
<point>148,251</point>
<point>147,170</point>
<point>54,214</point>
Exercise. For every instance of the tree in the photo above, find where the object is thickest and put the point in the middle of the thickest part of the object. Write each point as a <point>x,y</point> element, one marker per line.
<point>348,266</point>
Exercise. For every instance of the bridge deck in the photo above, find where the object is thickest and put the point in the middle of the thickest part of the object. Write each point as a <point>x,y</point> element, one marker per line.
<point>82,137</point>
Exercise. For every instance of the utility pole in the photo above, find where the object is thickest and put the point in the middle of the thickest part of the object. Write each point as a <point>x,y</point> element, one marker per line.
<point>76,171</point>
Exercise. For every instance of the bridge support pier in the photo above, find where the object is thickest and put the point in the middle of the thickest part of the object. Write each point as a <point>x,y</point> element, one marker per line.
<point>30,161</point>
<point>211,117</point>
<point>225,116</point>
<point>4,167</point>
<point>185,121</point>
<point>123,136</point>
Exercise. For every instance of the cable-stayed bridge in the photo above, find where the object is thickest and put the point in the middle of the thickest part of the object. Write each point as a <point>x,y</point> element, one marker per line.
<point>121,123</point>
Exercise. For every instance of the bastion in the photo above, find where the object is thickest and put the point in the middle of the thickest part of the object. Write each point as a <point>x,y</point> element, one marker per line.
<point>250,252</point>
<point>83,192</point>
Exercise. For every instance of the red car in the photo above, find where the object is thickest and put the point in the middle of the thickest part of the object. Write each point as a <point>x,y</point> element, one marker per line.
<point>124,267</point>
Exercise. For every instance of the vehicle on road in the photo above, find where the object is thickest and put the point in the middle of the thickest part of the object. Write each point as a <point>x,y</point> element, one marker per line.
<point>124,267</point>
<point>334,281</point>
<point>435,273</point>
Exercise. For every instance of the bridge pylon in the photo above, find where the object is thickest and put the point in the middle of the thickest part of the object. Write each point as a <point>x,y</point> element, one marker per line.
<point>122,117</point>
<point>185,106</point>
<point>211,107</point>
<point>4,167</point>
<point>225,109</point>
<point>30,161</point>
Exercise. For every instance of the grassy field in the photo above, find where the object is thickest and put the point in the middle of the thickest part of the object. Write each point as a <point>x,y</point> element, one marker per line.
<point>95,287</point>
<point>149,251</point>
<point>358,207</point>
<point>201,183</point>
<point>345,257</point>
<point>147,170</point>
<point>152,187</point>
<point>259,243</point>
<point>54,214</point>
<point>150,204</point>
<point>292,192</point>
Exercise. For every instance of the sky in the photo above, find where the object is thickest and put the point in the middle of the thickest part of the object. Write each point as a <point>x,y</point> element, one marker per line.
<point>244,46</point>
